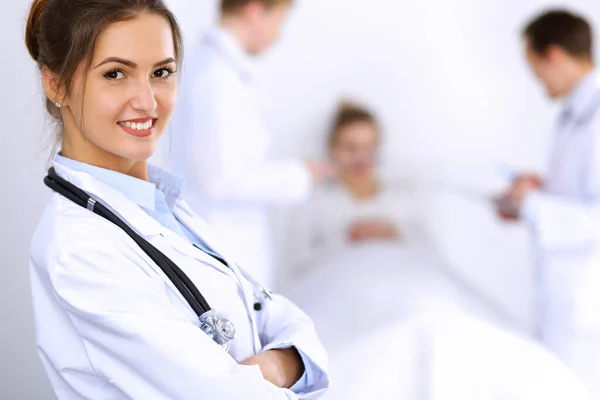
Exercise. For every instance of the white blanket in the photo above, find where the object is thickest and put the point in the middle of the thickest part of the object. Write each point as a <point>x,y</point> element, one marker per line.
<point>398,327</point>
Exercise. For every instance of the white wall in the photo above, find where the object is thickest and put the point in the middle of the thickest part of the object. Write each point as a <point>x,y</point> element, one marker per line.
<point>450,84</point>
<point>446,77</point>
<point>22,162</point>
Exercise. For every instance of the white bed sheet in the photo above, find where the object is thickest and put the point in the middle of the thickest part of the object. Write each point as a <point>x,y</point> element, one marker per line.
<point>398,326</point>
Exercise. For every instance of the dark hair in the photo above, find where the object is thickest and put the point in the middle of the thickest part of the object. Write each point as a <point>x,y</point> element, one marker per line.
<point>349,113</point>
<point>61,34</point>
<point>229,6</point>
<point>561,28</point>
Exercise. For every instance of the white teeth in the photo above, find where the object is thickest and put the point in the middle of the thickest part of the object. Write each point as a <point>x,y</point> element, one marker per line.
<point>140,126</point>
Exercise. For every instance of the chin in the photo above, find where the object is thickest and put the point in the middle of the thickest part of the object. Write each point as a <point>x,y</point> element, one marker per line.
<point>140,152</point>
<point>361,173</point>
<point>555,94</point>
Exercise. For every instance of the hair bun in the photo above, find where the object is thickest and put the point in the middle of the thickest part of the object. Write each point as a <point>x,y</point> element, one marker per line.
<point>32,31</point>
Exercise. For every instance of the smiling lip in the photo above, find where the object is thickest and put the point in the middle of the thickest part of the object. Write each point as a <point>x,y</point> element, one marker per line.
<point>141,127</point>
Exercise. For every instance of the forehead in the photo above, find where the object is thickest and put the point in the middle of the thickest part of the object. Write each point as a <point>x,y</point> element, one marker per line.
<point>145,39</point>
<point>362,131</point>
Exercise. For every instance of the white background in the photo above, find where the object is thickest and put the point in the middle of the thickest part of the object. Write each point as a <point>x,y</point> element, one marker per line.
<point>445,76</point>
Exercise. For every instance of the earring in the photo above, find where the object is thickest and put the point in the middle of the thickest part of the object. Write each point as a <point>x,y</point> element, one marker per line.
<point>57,104</point>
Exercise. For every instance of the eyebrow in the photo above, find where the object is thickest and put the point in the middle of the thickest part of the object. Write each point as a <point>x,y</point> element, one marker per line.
<point>131,63</point>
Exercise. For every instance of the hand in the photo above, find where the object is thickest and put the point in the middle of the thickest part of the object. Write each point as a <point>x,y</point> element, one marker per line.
<point>282,367</point>
<point>506,209</point>
<point>522,186</point>
<point>372,229</point>
<point>509,203</point>
<point>321,170</point>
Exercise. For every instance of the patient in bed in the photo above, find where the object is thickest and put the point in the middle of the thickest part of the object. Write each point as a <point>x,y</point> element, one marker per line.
<point>356,207</point>
<point>395,322</point>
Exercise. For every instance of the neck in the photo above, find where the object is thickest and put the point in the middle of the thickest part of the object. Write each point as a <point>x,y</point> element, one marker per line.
<point>579,72</point>
<point>360,188</point>
<point>234,25</point>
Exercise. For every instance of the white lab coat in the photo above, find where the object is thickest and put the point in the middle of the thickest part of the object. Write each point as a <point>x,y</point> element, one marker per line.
<point>111,325</point>
<point>565,221</point>
<point>220,146</point>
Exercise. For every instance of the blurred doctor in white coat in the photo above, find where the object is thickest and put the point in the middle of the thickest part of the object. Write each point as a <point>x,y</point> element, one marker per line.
<point>221,144</point>
<point>563,208</point>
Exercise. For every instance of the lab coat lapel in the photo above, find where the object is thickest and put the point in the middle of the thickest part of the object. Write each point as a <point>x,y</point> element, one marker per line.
<point>201,229</point>
<point>135,217</point>
<point>198,227</point>
<point>127,210</point>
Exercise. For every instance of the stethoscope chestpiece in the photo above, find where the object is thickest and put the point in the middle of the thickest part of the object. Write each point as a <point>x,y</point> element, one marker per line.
<point>220,330</point>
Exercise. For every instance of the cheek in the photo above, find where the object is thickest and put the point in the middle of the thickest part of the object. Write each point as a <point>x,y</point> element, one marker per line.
<point>110,105</point>
<point>166,99</point>
<point>102,107</point>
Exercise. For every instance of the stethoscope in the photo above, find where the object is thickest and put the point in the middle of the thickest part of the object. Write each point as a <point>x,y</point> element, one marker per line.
<point>221,330</point>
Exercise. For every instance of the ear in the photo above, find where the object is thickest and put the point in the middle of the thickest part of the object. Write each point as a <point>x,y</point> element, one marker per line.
<point>50,82</point>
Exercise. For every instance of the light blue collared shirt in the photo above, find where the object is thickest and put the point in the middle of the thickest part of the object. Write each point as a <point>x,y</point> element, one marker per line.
<point>157,198</point>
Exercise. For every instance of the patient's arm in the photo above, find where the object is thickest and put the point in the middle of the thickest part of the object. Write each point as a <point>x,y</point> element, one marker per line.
<point>375,229</point>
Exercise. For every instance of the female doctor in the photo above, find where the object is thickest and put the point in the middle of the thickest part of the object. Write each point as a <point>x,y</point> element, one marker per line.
<point>124,276</point>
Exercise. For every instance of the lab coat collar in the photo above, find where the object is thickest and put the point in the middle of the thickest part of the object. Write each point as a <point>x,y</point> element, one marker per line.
<point>116,201</point>
<point>137,190</point>
<point>230,49</point>
<point>577,100</point>
<point>139,220</point>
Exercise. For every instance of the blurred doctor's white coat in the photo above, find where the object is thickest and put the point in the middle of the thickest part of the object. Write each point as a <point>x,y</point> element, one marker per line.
<point>220,146</point>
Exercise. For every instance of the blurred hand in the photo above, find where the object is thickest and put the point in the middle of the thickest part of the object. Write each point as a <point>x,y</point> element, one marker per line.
<point>282,367</point>
<point>506,209</point>
<point>522,186</point>
<point>321,170</point>
<point>372,229</point>
<point>509,203</point>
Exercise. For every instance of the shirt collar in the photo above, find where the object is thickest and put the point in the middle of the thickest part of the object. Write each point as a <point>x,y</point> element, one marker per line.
<point>141,192</point>
<point>170,185</point>
<point>228,47</point>
<point>577,100</point>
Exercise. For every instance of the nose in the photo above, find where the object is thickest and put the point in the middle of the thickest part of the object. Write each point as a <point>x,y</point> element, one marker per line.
<point>144,98</point>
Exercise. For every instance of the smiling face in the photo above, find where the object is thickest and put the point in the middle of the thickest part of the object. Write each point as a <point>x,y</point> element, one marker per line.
<point>116,111</point>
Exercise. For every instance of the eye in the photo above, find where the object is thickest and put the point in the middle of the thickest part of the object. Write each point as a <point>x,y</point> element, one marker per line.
<point>114,74</point>
<point>163,73</point>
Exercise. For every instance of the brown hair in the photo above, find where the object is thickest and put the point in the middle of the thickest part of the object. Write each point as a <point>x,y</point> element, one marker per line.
<point>229,6</point>
<point>61,34</point>
<point>561,28</point>
<point>348,113</point>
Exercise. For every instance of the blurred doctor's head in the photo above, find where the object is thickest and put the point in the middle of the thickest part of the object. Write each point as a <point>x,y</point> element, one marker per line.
<point>256,23</point>
<point>354,141</point>
<point>558,47</point>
